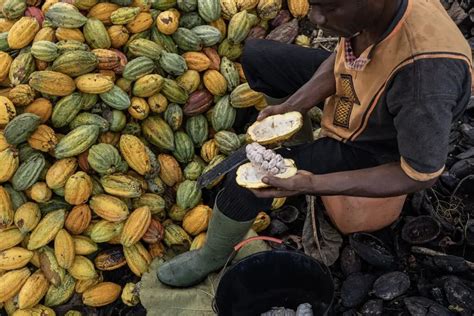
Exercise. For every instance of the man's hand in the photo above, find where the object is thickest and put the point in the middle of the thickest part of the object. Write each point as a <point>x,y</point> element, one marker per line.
<point>274,110</point>
<point>300,183</point>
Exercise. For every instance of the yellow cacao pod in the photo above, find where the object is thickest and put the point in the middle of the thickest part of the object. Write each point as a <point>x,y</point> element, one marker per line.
<point>138,258</point>
<point>22,32</point>
<point>15,280</point>
<point>170,171</point>
<point>39,192</point>
<point>139,108</point>
<point>109,207</point>
<point>82,268</point>
<point>278,202</point>
<point>198,241</point>
<point>78,188</point>
<point>135,153</point>
<point>298,8</point>
<point>215,82</point>
<point>119,35</point>
<point>6,209</point>
<point>10,237</point>
<point>136,226</point>
<point>197,219</point>
<point>64,249</point>
<point>103,11</point>
<point>142,22</point>
<point>167,22</point>
<point>45,34</point>
<point>21,95</point>
<point>197,61</point>
<point>6,25</point>
<point>10,162</point>
<point>158,103</point>
<point>43,138</point>
<point>33,290</point>
<point>84,285</point>
<point>209,150</point>
<point>105,231</point>
<point>14,258</point>
<point>27,216</point>
<point>130,294</point>
<point>94,83</point>
<point>78,219</point>
<point>121,185</point>
<point>84,245</point>
<point>5,63</point>
<point>189,81</point>
<point>41,107</point>
<point>64,34</point>
<point>261,222</point>
<point>101,294</point>
<point>60,172</point>
<point>46,229</point>
<point>39,309</point>
<point>7,109</point>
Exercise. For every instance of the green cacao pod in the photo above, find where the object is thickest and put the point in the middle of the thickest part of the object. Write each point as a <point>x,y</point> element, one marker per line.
<point>105,159</point>
<point>75,63</point>
<point>187,40</point>
<point>144,47</point>
<point>65,15</point>
<point>230,73</point>
<point>187,5</point>
<point>239,27</point>
<point>116,98</point>
<point>28,172</point>
<point>208,34</point>
<point>124,15</point>
<point>229,50</point>
<point>209,10</point>
<point>96,34</point>
<point>66,109</point>
<point>13,9</point>
<point>198,129</point>
<point>184,149</point>
<point>138,67</point>
<point>176,237</point>
<point>158,132</point>
<point>86,118</point>
<point>173,92</point>
<point>190,20</point>
<point>192,171</point>
<point>21,67</point>
<point>223,114</point>
<point>164,40</point>
<point>227,141</point>
<point>77,141</point>
<point>70,45</point>
<point>188,194</point>
<point>147,86</point>
<point>172,63</point>
<point>174,116</point>
<point>45,50</point>
<point>20,128</point>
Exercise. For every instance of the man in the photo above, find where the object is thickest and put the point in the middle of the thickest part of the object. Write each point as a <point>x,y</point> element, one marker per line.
<point>401,74</point>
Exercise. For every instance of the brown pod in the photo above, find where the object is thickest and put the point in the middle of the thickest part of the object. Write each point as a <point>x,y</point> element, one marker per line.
<point>199,102</point>
<point>83,162</point>
<point>257,32</point>
<point>285,33</point>
<point>214,57</point>
<point>107,59</point>
<point>78,219</point>
<point>283,17</point>
<point>154,233</point>
<point>110,259</point>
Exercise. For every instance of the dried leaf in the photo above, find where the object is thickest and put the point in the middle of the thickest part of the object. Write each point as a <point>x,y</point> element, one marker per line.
<point>329,239</point>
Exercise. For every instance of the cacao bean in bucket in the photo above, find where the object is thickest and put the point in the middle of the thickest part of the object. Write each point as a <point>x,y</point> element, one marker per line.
<point>276,278</point>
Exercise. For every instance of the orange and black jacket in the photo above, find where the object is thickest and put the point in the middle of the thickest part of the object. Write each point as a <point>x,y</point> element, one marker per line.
<point>416,82</point>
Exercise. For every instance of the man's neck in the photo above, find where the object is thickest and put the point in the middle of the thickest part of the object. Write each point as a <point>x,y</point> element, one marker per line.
<point>373,33</point>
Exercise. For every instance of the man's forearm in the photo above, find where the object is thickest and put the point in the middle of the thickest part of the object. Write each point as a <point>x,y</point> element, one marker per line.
<point>321,86</point>
<point>382,181</point>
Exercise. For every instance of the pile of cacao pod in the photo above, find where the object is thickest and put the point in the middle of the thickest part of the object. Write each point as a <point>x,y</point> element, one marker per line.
<point>109,112</point>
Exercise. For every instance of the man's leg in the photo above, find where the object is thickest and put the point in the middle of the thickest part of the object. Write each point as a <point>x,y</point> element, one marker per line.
<point>236,208</point>
<point>278,70</point>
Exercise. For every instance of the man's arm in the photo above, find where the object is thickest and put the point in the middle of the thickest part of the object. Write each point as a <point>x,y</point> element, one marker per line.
<point>321,86</point>
<point>381,181</point>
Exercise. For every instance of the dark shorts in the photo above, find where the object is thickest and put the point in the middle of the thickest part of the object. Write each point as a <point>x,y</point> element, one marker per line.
<point>278,70</point>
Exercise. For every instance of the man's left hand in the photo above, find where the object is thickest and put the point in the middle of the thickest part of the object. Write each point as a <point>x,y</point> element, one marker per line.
<point>300,183</point>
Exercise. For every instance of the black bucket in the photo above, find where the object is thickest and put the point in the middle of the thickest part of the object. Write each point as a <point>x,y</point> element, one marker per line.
<point>276,278</point>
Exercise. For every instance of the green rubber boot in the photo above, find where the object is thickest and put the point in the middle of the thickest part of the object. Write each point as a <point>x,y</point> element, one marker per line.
<point>191,267</point>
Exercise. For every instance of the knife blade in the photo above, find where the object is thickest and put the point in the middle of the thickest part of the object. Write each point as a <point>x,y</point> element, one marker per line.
<point>225,166</point>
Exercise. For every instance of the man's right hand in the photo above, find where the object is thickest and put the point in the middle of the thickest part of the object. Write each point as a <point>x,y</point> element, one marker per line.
<point>274,110</point>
